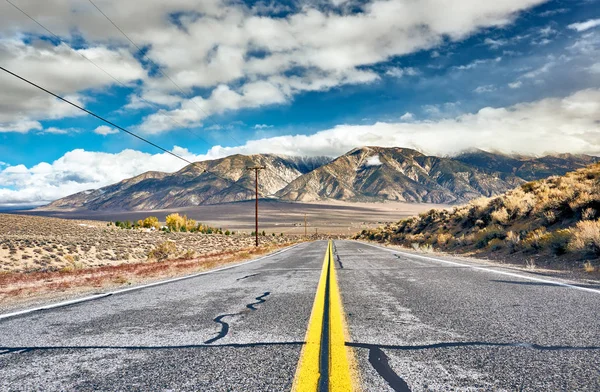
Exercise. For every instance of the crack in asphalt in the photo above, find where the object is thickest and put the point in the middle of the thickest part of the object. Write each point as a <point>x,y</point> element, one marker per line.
<point>225,326</point>
<point>21,350</point>
<point>339,261</point>
<point>380,363</point>
<point>244,277</point>
<point>260,299</point>
<point>472,344</point>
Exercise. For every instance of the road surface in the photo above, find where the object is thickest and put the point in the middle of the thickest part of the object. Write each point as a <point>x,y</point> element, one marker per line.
<point>414,323</point>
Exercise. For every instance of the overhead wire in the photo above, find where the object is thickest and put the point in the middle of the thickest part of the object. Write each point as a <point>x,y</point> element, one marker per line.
<point>166,75</point>
<point>119,127</point>
<point>57,37</point>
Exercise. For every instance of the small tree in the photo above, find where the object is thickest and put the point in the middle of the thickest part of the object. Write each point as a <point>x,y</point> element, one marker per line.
<point>264,233</point>
<point>175,221</point>
<point>151,221</point>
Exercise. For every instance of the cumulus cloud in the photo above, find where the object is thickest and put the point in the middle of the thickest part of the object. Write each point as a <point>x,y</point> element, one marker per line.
<point>60,69</point>
<point>485,89</point>
<point>262,126</point>
<point>583,26</point>
<point>408,116</point>
<point>398,72</point>
<point>243,57</point>
<point>105,130</point>
<point>79,170</point>
<point>515,85</point>
<point>551,125</point>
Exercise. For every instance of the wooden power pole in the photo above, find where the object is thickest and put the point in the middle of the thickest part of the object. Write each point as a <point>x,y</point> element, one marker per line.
<point>305,233</point>
<point>256,170</point>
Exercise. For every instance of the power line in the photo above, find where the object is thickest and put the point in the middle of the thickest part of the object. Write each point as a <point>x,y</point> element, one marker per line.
<point>105,71</point>
<point>118,126</point>
<point>158,67</point>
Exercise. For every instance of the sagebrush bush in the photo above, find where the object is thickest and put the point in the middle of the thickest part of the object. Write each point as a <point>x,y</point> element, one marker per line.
<point>163,251</point>
<point>557,241</point>
<point>586,237</point>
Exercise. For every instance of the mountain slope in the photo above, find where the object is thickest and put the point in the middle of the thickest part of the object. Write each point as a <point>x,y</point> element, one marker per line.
<point>557,216</point>
<point>363,174</point>
<point>527,168</point>
<point>376,173</point>
<point>207,182</point>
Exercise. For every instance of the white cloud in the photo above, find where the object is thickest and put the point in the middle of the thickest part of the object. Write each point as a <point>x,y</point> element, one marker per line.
<point>553,12</point>
<point>262,126</point>
<point>57,68</point>
<point>477,63</point>
<point>398,72</point>
<point>495,43</point>
<point>595,68</point>
<point>105,130</point>
<point>373,161</point>
<point>583,26</point>
<point>79,170</point>
<point>516,84</point>
<point>243,57</point>
<point>550,125</point>
<point>485,89</point>
<point>407,117</point>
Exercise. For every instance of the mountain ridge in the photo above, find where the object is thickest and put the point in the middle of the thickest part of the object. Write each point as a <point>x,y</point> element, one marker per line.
<point>368,173</point>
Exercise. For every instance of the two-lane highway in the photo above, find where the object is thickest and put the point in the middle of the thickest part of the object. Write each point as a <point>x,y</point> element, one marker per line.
<point>413,323</point>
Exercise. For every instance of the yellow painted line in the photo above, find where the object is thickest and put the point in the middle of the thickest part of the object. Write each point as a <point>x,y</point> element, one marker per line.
<point>307,372</point>
<point>343,372</point>
<point>342,365</point>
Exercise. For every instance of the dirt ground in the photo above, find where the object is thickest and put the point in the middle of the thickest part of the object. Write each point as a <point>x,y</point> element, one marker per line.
<point>38,244</point>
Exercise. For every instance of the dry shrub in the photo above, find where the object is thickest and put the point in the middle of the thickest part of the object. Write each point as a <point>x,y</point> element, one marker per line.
<point>500,216</point>
<point>163,251</point>
<point>534,241</point>
<point>496,244</point>
<point>557,241</point>
<point>483,237</point>
<point>513,240</point>
<point>589,267</point>
<point>586,237</point>
<point>443,238</point>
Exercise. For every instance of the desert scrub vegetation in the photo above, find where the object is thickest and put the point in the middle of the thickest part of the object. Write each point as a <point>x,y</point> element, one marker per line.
<point>558,217</point>
<point>40,244</point>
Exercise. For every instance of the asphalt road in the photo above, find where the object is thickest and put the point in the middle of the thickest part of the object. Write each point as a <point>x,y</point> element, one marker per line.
<point>415,324</point>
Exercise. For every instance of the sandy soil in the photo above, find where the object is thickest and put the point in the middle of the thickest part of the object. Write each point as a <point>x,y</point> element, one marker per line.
<point>34,244</point>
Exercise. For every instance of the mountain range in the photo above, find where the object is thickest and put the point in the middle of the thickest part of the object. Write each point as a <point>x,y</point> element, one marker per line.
<point>363,174</point>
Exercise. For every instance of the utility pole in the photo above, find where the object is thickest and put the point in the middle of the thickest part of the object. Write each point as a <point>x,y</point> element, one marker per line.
<point>305,233</point>
<point>256,169</point>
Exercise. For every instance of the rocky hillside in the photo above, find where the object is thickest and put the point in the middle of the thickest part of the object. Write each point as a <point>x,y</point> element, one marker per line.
<point>363,174</point>
<point>208,182</point>
<point>524,167</point>
<point>558,216</point>
<point>402,174</point>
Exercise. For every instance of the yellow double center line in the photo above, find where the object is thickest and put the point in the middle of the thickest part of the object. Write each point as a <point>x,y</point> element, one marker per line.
<point>326,364</point>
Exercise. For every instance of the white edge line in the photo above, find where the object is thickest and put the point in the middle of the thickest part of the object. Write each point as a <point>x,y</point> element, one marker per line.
<point>495,271</point>
<point>121,291</point>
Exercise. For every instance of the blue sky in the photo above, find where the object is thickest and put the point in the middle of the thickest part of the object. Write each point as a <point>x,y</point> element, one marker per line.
<point>298,77</point>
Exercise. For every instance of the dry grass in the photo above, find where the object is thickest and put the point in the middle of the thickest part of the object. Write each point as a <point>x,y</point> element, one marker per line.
<point>18,286</point>
<point>558,216</point>
<point>44,256</point>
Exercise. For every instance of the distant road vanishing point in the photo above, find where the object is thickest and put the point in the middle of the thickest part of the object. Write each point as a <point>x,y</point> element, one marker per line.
<point>337,316</point>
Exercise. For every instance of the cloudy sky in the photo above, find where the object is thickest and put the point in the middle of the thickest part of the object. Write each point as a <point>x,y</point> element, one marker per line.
<point>208,78</point>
